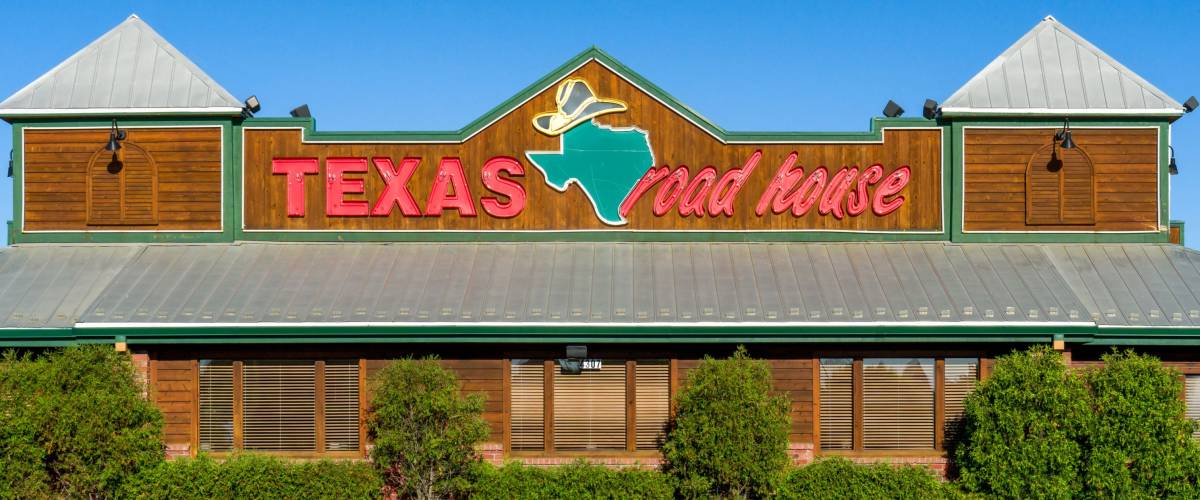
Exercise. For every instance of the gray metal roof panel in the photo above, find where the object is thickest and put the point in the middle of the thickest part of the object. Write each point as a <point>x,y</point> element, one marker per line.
<point>129,68</point>
<point>51,287</point>
<point>1051,69</point>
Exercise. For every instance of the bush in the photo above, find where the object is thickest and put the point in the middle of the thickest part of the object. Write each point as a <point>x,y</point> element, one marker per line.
<point>1140,442</point>
<point>255,476</point>
<point>578,480</point>
<point>74,423</point>
<point>730,435</point>
<point>1025,428</point>
<point>424,429</point>
<point>841,478</point>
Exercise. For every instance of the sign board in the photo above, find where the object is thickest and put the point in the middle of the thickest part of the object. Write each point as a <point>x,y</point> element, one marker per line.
<point>592,150</point>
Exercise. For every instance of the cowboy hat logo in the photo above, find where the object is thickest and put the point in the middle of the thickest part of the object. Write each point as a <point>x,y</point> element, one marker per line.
<point>577,103</point>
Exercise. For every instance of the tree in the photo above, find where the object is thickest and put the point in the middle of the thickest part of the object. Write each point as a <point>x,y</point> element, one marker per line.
<point>424,429</point>
<point>730,434</point>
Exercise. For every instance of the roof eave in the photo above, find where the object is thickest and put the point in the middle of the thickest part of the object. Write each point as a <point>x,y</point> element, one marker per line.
<point>956,111</point>
<point>87,112</point>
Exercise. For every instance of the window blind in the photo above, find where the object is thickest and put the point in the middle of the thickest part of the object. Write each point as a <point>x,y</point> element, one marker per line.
<point>898,400</point>
<point>837,404</point>
<point>341,405</point>
<point>279,405</point>
<point>652,402</point>
<point>589,409</point>
<point>526,413</point>
<point>1192,389</point>
<point>960,377</point>
<point>216,405</point>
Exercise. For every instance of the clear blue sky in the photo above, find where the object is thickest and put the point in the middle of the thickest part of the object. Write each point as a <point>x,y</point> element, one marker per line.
<point>761,66</point>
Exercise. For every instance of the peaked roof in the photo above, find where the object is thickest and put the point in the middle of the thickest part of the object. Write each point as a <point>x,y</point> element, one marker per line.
<point>1053,70</point>
<point>129,70</point>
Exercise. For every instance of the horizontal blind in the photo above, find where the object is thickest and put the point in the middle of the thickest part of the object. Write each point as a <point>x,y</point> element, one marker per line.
<point>1192,388</point>
<point>279,405</point>
<point>589,409</point>
<point>341,405</point>
<point>216,405</point>
<point>898,399</point>
<point>960,377</point>
<point>837,404</point>
<point>652,402</point>
<point>526,412</point>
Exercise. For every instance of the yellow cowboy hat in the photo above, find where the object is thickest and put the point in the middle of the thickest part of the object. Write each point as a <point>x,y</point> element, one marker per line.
<point>576,104</point>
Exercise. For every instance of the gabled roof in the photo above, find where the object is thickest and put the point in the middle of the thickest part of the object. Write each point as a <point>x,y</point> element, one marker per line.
<point>129,70</point>
<point>1052,70</point>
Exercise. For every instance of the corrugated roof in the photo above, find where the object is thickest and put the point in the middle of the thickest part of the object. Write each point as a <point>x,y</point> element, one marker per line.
<point>1053,70</point>
<point>129,69</point>
<point>50,287</point>
<point>1133,285</point>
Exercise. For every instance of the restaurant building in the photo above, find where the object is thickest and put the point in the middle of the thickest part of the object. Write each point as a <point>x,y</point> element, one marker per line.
<point>574,252</point>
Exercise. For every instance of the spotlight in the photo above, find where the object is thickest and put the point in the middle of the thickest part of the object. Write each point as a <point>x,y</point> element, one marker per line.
<point>1064,135</point>
<point>115,136</point>
<point>1171,166</point>
<point>576,351</point>
<point>301,111</point>
<point>930,109</point>
<point>892,110</point>
<point>1191,104</point>
<point>251,106</point>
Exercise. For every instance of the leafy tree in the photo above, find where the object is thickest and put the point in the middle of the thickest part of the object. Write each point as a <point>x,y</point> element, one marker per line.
<point>730,434</point>
<point>1140,443</point>
<point>74,423</point>
<point>425,430</point>
<point>1025,429</point>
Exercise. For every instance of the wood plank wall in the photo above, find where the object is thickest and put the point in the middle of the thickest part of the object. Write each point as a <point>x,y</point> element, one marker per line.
<point>174,388</point>
<point>1126,177</point>
<point>188,162</point>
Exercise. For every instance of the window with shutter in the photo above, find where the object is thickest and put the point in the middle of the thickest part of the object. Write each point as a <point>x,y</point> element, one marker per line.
<point>279,405</point>
<point>589,409</point>
<point>1060,187</point>
<point>216,405</point>
<point>527,413</point>
<point>960,377</point>
<point>1192,397</point>
<point>837,403</point>
<point>898,403</point>
<point>122,187</point>
<point>341,405</point>
<point>652,402</point>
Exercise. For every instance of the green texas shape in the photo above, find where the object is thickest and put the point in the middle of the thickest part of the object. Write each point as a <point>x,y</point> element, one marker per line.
<point>605,162</point>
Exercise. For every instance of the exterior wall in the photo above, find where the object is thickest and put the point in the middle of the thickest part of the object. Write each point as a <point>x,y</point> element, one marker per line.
<point>1125,162</point>
<point>188,163</point>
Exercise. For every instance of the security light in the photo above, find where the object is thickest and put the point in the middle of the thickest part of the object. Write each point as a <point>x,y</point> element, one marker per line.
<point>892,110</point>
<point>570,366</point>
<point>577,351</point>
<point>1191,104</point>
<point>252,104</point>
<point>930,109</point>
<point>301,111</point>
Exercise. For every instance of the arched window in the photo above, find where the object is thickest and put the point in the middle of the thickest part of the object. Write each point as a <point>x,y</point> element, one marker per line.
<point>122,187</point>
<point>1060,187</point>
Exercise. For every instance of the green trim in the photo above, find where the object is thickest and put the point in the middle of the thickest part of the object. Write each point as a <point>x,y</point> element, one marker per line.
<point>1179,224</point>
<point>586,236</point>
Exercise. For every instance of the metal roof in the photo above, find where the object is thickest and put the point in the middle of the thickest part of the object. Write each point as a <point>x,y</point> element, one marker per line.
<point>50,287</point>
<point>1053,70</point>
<point>130,69</point>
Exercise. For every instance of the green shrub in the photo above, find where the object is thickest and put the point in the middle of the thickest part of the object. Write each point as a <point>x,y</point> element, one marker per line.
<point>1024,429</point>
<point>255,476</point>
<point>841,478</point>
<point>74,423</point>
<point>579,480</point>
<point>1140,443</point>
<point>730,435</point>
<point>424,429</point>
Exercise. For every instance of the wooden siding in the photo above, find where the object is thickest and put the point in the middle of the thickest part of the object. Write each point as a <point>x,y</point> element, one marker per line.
<point>1125,163</point>
<point>674,140</point>
<point>187,161</point>
<point>174,391</point>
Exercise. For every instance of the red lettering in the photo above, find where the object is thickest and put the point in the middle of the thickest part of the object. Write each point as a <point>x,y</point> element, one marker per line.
<point>808,193</point>
<point>504,187</point>
<point>776,192</point>
<point>692,201</point>
<point>891,185</point>
<point>858,200</point>
<point>648,180</point>
<point>670,191</point>
<point>835,193</point>
<point>337,186</point>
<point>295,169</point>
<point>727,188</point>
<point>395,190</point>
<point>450,190</point>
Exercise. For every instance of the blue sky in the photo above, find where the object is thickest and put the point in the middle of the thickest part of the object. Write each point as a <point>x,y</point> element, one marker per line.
<point>827,66</point>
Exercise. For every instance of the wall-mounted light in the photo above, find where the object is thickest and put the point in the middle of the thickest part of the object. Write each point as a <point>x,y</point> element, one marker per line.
<point>115,136</point>
<point>573,363</point>
<point>1064,135</point>
<point>301,111</point>
<point>250,106</point>
<point>1171,166</point>
<point>1191,104</point>
<point>929,111</point>
<point>892,110</point>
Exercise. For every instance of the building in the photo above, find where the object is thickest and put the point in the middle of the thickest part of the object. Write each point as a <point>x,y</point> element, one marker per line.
<point>575,251</point>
